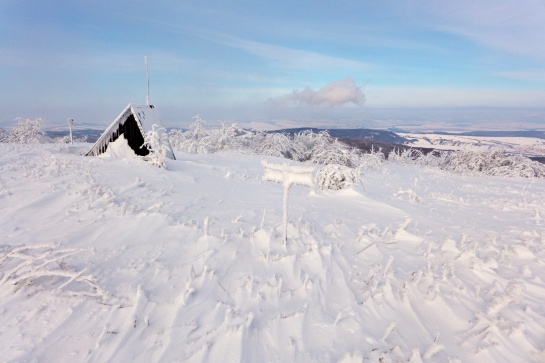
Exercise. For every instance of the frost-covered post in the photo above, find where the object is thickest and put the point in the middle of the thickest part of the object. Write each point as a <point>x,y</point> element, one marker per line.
<point>70,125</point>
<point>288,175</point>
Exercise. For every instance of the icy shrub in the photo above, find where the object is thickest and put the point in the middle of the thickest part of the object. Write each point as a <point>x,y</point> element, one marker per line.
<point>61,140</point>
<point>199,140</point>
<point>156,140</point>
<point>335,177</point>
<point>66,139</point>
<point>275,144</point>
<point>435,159</point>
<point>493,163</point>
<point>335,153</point>
<point>177,138</point>
<point>405,157</point>
<point>472,163</point>
<point>188,141</point>
<point>370,160</point>
<point>306,143</point>
<point>226,136</point>
<point>408,195</point>
<point>318,148</point>
<point>27,132</point>
<point>3,135</point>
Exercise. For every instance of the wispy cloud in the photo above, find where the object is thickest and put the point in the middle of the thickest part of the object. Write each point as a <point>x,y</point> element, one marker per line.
<point>334,94</point>
<point>538,76</point>
<point>513,26</point>
<point>290,57</point>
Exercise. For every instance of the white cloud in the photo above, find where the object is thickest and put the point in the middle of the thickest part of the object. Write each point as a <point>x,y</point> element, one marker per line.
<point>336,93</point>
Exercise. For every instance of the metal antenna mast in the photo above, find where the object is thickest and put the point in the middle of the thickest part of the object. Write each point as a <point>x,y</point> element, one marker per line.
<point>147,79</point>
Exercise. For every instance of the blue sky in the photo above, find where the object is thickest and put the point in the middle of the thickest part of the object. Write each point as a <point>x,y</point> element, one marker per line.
<point>269,60</point>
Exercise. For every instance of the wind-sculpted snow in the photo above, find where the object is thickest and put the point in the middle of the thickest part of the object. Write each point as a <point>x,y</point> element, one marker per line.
<point>43,267</point>
<point>114,260</point>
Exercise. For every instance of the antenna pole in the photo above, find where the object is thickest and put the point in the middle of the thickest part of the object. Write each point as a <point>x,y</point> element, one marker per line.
<point>147,79</point>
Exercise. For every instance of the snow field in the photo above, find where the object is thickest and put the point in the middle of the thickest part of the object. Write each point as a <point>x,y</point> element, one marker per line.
<point>515,145</point>
<point>107,259</point>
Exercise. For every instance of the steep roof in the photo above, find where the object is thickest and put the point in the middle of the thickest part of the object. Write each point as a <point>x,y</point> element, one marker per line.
<point>145,117</point>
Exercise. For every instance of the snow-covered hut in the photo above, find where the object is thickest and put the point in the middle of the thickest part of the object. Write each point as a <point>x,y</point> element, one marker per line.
<point>133,123</point>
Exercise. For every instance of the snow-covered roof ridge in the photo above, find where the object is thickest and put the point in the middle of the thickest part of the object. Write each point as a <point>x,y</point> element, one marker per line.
<point>145,116</point>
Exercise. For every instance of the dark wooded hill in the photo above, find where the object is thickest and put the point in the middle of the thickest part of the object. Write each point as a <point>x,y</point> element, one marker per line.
<point>368,134</point>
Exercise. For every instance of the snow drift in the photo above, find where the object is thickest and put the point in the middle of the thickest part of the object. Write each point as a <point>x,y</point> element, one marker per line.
<point>113,259</point>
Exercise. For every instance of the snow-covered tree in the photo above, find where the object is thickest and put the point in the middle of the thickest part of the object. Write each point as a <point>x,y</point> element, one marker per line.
<point>27,131</point>
<point>219,139</point>
<point>3,135</point>
<point>200,140</point>
<point>188,141</point>
<point>156,140</point>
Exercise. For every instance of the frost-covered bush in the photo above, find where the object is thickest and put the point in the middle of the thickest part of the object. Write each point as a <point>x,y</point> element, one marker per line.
<point>318,148</point>
<point>435,159</point>
<point>336,153</point>
<point>371,160</point>
<point>156,140</point>
<point>408,195</point>
<point>188,141</point>
<point>472,163</point>
<point>27,131</point>
<point>305,146</point>
<point>199,140</point>
<point>61,140</point>
<point>307,143</point>
<point>274,144</point>
<point>66,139</point>
<point>3,135</point>
<point>405,157</point>
<point>335,177</point>
<point>493,163</point>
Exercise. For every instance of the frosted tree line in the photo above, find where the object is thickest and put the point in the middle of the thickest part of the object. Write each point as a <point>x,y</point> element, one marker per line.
<point>341,163</point>
<point>28,131</point>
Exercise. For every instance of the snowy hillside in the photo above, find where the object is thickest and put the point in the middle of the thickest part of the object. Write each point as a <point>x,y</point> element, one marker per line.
<point>531,146</point>
<point>107,259</point>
